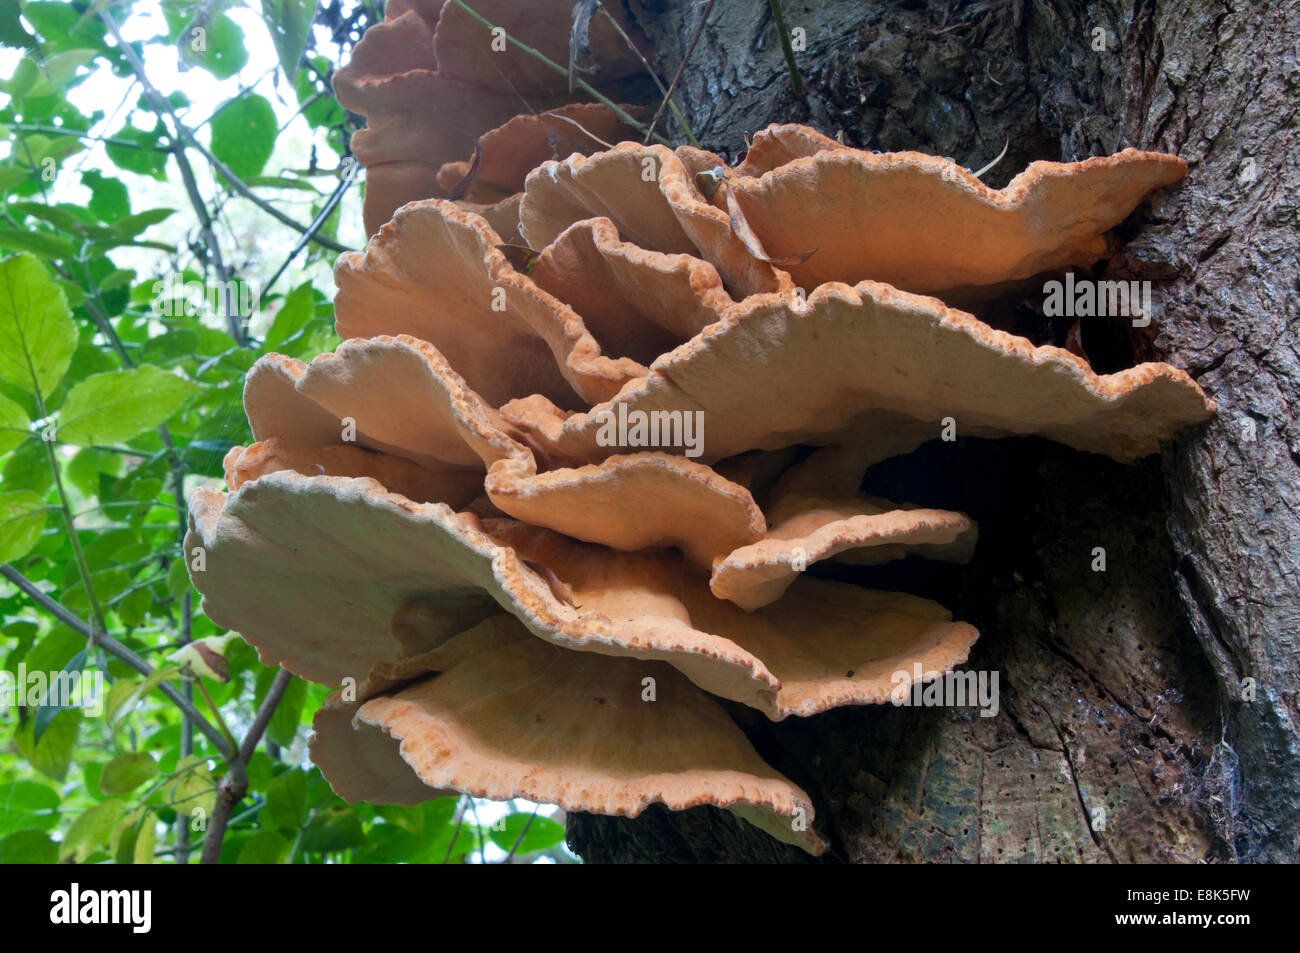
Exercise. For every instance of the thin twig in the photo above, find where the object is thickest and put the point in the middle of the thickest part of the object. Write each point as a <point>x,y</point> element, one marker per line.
<point>297,840</point>
<point>478,830</point>
<point>162,107</point>
<point>556,67</point>
<point>318,222</point>
<point>245,91</point>
<point>107,140</point>
<point>663,90</point>
<point>527,824</point>
<point>695,38</point>
<point>460,819</point>
<point>212,707</point>
<point>269,703</point>
<point>78,554</point>
<point>235,784</point>
<point>581,128</point>
<point>187,733</point>
<point>796,81</point>
<point>182,827</point>
<point>117,650</point>
<point>239,186</point>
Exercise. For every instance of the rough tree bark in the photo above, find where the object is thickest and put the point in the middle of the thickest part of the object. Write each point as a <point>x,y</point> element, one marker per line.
<point>1125,733</point>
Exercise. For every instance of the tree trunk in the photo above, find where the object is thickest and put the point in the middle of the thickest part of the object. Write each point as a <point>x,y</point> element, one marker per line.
<point>1148,712</point>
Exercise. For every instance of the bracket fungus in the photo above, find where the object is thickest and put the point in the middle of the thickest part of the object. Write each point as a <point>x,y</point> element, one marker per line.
<point>431,78</point>
<point>527,608</point>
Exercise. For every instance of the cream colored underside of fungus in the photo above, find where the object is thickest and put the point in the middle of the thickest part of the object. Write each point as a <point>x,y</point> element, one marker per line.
<point>529,611</point>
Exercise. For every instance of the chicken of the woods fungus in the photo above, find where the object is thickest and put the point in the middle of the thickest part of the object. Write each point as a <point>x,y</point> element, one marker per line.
<point>536,520</point>
<point>433,77</point>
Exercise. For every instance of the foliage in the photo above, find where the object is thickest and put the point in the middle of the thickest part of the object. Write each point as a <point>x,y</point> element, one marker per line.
<point>126,326</point>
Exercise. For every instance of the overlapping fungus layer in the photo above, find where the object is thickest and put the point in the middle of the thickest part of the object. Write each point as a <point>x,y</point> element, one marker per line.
<point>528,608</point>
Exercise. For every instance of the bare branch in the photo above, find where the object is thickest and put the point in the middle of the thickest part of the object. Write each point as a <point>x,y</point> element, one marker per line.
<point>556,67</point>
<point>318,222</point>
<point>695,38</point>
<point>235,784</point>
<point>522,834</point>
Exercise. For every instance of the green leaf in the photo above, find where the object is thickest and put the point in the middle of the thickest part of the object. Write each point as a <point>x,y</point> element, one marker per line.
<point>323,111</point>
<point>84,470</point>
<point>45,712</point>
<point>123,706</point>
<point>91,830</point>
<point>28,469</point>
<point>114,290</point>
<point>37,334</point>
<point>216,45</point>
<point>54,650</point>
<point>290,24</point>
<point>36,148</point>
<point>178,580</point>
<point>54,753</point>
<point>293,314</point>
<point>33,80</point>
<point>88,359</point>
<point>145,842</point>
<point>276,181</point>
<point>146,157</point>
<point>28,847</point>
<point>118,405</point>
<point>264,847</point>
<point>27,804</point>
<point>90,772</point>
<point>67,218</point>
<point>419,834</point>
<point>12,32</point>
<point>22,518</point>
<point>195,790</point>
<point>13,424</point>
<point>125,835</point>
<point>11,176</point>
<point>286,799</point>
<point>334,828</point>
<point>25,78</point>
<point>63,26</point>
<point>118,693</point>
<point>284,723</point>
<point>214,450</point>
<point>543,833</point>
<point>133,225</point>
<point>108,197</point>
<point>38,243</point>
<point>243,134</point>
<point>260,771</point>
<point>127,772</point>
<point>120,277</point>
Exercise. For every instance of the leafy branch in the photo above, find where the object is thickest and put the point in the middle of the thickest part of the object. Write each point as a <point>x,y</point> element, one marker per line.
<point>118,651</point>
